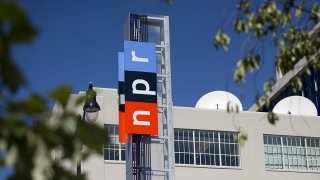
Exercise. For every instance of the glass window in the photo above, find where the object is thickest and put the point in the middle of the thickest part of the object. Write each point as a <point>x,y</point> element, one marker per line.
<point>196,147</point>
<point>201,147</point>
<point>273,152</point>
<point>114,151</point>
<point>155,32</point>
<point>184,147</point>
<point>292,153</point>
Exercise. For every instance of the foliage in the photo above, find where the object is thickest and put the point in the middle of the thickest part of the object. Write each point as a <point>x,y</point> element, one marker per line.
<point>169,1</point>
<point>27,137</point>
<point>287,24</point>
<point>242,137</point>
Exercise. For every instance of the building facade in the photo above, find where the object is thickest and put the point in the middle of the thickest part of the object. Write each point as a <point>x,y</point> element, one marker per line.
<point>207,147</point>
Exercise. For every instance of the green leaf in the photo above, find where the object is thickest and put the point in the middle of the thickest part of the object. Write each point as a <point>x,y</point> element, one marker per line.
<point>257,102</point>
<point>11,156</point>
<point>244,5</point>
<point>239,74</point>
<point>265,98</point>
<point>32,106</point>
<point>69,124</point>
<point>221,40</point>
<point>247,64</point>
<point>296,84</point>
<point>272,118</point>
<point>61,95</point>
<point>62,174</point>
<point>240,26</point>
<point>42,162</point>
<point>308,71</point>
<point>11,75</point>
<point>92,135</point>
<point>315,13</point>
<point>298,12</point>
<point>80,100</point>
<point>243,137</point>
<point>21,30</point>
<point>36,104</point>
<point>170,2</point>
<point>267,86</point>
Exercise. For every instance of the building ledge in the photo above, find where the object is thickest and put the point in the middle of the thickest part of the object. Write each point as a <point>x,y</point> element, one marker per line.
<point>207,166</point>
<point>292,171</point>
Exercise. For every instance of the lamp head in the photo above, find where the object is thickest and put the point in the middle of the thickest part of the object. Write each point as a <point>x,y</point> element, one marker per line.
<point>91,106</point>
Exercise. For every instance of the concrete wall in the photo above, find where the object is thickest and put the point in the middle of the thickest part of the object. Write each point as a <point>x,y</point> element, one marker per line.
<point>95,167</point>
<point>252,154</point>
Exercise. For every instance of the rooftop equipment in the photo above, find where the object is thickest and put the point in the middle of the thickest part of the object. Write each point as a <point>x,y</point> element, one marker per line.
<point>297,105</point>
<point>219,100</point>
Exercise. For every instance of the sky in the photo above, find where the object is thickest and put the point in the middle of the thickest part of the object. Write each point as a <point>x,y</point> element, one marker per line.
<point>79,41</point>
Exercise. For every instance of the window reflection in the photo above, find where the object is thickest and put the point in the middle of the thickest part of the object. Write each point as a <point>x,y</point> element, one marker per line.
<point>155,33</point>
<point>196,147</point>
<point>206,148</point>
<point>293,153</point>
<point>114,151</point>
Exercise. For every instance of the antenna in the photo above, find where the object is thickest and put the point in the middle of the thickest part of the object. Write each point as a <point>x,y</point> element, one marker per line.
<point>296,105</point>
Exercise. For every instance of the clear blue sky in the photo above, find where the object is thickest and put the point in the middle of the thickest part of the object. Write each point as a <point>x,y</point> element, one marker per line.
<point>79,41</point>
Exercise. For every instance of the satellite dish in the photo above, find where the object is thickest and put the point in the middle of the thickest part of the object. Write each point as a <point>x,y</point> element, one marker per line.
<point>221,100</point>
<point>297,105</point>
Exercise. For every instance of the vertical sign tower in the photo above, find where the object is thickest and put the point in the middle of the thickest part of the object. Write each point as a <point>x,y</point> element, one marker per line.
<point>145,103</point>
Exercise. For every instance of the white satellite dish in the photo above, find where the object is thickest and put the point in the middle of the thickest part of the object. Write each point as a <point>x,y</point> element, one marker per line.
<point>221,100</point>
<point>297,105</point>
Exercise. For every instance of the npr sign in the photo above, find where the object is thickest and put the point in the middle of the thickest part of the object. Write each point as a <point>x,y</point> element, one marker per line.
<point>138,112</point>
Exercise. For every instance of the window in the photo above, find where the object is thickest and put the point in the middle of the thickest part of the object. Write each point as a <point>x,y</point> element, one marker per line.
<point>184,146</point>
<point>114,151</point>
<point>155,31</point>
<point>292,153</point>
<point>211,148</point>
<point>196,147</point>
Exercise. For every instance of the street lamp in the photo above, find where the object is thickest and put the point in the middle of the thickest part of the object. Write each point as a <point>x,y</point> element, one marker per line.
<point>91,107</point>
<point>91,110</point>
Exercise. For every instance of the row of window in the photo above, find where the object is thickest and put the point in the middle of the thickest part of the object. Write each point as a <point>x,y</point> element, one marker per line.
<point>292,153</point>
<point>219,148</point>
<point>212,148</point>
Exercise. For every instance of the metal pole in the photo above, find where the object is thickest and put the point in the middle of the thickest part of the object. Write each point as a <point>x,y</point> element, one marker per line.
<point>79,162</point>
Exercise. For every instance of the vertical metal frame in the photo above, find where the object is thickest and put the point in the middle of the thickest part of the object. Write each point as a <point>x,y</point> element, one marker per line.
<point>166,131</point>
<point>306,154</point>
<point>165,99</point>
<point>220,159</point>
<point>169,101</point>
<point>282,153</point>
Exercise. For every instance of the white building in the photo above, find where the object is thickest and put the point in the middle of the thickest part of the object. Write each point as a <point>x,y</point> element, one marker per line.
<point>205,145</point>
